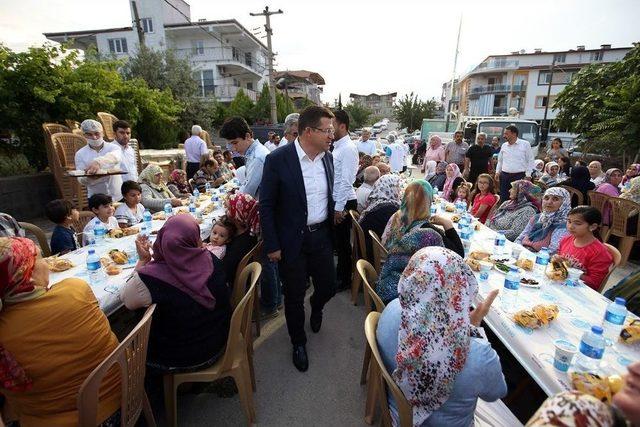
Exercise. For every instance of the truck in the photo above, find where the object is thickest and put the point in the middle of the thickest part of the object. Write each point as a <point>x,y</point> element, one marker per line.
<point>528,130</point>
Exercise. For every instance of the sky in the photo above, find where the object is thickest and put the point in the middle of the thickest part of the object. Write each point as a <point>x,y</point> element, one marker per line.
<point>368,46</point>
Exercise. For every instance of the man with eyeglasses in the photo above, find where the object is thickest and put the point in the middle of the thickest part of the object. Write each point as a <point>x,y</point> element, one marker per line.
<point>296,217</point>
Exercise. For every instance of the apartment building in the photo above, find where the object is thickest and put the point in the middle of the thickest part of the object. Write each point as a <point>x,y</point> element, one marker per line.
<point>380,105</point>
<point>300,85</point>
<point>224,54</point>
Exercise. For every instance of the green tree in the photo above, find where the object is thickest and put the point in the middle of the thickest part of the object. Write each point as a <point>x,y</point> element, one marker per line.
<point>262,109</point>
<point>242,106</point>
<point>284,106</point>
<point>410,111</point>
<point>358,115</point>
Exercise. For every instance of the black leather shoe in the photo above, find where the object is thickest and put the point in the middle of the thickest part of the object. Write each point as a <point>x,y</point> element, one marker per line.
<point>300,359</point>
<point>316,321</point>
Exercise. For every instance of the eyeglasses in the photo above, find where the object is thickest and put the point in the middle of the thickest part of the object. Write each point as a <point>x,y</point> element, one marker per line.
<point>328,131</point>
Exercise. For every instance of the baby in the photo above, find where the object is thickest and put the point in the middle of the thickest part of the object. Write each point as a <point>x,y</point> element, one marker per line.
<point>221,234</point>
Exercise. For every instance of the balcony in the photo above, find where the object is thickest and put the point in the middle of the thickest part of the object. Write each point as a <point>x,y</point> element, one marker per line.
<point>496,65</point>
<point>226,93</point>
<point>476,91</point>
<point>232,61</point>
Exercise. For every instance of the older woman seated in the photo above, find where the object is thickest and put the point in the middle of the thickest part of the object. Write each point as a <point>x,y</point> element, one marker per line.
<point>51,340</point>
<point>383,201</point>
<point>551,174</point>
<point>513,215</point>
<point>580,179</point>
<point>155,193</point>
<point>438,178</point>
<point>209,172</point>
<point>178,184</point>
<point>187,283</point>
<point>433,344</point>
<point>546,229</point>
<point>453,181</point>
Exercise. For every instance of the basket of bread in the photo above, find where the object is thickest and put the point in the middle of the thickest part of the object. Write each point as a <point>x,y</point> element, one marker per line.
<point>58,265</point>
<point>539,315</point>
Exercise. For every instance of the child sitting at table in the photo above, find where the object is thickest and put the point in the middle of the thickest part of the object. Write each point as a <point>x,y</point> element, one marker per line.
<point>582,249</point>
<point>221,234</point>
<point>62,213</point>
<point>463,193</point>
<point>131,211</point>
<point>101,205</point>
<point>484,197</point>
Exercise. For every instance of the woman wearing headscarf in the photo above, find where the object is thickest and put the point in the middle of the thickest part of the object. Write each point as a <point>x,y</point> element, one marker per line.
<point>435,151</point>
<point>632,191</point>
<point>580,179</point>
<point>551,174</point>
<point>155,193</point>
<point>513,215</point>
<point>409,230</point>
<point>573,408</point>
<point>178,184</point>
<point>242,210</point>
<point>546,229</point>
<point>383,201</point>
<point>430,169</point>
<point>453,180</point>
<point>611,187</point>
<point>439,178</point>
<point>187,284</point>
<point>596,173</point>
<point>430,341</point>
<point>632,171</point>
<point>50,341</point>
<point>365,161</point>
<point>538,169</point>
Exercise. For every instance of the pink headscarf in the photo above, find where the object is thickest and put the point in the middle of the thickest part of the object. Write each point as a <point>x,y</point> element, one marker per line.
<point>180,260</point>
<point>448,184</point>
<point>437,140</point>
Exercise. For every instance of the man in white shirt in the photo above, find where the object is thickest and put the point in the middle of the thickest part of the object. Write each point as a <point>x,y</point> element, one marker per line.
<point>365,145</point>
<point>515,161</point>
<point>98,155</point>
<point>290,129</point>
<point>398,153</point>
<point>273,143</point>
<point>196,151</point>
<point>371,175</point>
<point>345,166</point>
<point>128,164</point>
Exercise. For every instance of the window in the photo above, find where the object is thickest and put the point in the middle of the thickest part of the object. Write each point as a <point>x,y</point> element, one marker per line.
<point>247,58</point>
<point>205,82</point>
<point>235,54</point>
<point>198,47</point>
<point>147,25</point>
<point>559,77</point>
<point>236,82</point>
<point>541,101</point>
<point>118,45</point>
<point>597,56</point>
<point>560,57</point>
<point>250,85</point>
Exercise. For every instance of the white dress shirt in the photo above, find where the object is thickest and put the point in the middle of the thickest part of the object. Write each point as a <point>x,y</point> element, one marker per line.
<point>516,158</point>
<point>106,185</point>
<point>362,194</point>
<point>128,163</point>
<point>315,186</point>
<point>195,148</point>
<point>397,158</point>
<point>367,147</point>
<point>345,166</point>
<point>271,146</point>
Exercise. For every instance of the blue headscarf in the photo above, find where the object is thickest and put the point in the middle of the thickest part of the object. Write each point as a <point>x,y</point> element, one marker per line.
<point>547,223</point>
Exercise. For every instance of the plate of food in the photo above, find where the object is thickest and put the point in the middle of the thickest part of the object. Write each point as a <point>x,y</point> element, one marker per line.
<point>602,388</point>
<point>118,256</point>
<point>57,264</point>
<point>557,269</point>
<point>450,207</point>
<point>159,216</point>
<point>537,316</point>
<point>102,172</point>
<point>503,268</point>
<point>529,283</point>
<point>525,263</point>
<point>118,233</point>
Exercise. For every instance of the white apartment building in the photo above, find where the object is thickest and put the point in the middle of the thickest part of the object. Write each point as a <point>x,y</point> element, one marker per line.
<point>300,85</point>
<point>521,80</point>
<point>379,104</point>
<point>224,54</point>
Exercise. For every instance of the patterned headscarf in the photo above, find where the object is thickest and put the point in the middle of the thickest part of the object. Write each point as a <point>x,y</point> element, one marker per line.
<point>17,262</point>
<point>572,408</point>
<point>635,167</point>
<point>415,208</point>
<point>178,177</point>
<point>243,208</point>
<point>448,184</point>
<point>436,291</point>
<point>147,176</point>
<point>633,192</point>
<point>527,194</point>
<point>548,222</point>
<point>547,168</point>
<point>385,190</point>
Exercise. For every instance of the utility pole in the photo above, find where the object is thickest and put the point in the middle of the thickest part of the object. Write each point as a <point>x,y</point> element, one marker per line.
<point>136,21</point>
<point>545,125</point>
<point>453,76</point>
<point>272,87</point>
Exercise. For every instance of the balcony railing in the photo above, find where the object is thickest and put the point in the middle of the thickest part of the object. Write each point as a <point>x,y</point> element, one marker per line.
<point>499,64</point>
<point>221,56</point>
<point>497,88</point>
<point>228,92</point>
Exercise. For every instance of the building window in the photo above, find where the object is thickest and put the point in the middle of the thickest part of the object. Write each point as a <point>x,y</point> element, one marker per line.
<point>234,53</point>
<point>236,82</point>
<point>250,85</point>
<point>597,56</point>
<point>560,57</point>
<point>118,45</point>
<point>147,25</point>
<point>559,77</point>
<point>205,82</point>
<point>198,47</point>
<point>247,59</point>
<point>541,101</point>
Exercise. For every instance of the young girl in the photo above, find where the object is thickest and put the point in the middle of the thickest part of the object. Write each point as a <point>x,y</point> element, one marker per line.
<point>463,193</point>
<point>582,249</point>
<point>221,234</point>
<point>483,197</point>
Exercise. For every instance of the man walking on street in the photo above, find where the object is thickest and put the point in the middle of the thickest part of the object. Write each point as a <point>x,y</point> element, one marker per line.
<point>345,164</point>
<point>456,150</point>
<point>296,216</point>
<point>476,160</point>
<point>515,161</point>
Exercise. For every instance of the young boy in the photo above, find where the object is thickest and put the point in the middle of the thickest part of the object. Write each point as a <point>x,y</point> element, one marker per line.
<point>101,205</point>
<point>131,211</point>
<point>62,213</point>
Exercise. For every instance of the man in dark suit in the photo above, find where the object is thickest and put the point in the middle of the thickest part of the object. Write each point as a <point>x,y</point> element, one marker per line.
<point>296,215</point>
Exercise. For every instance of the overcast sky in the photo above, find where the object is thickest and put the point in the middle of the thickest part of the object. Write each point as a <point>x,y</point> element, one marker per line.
<point>366,46</point>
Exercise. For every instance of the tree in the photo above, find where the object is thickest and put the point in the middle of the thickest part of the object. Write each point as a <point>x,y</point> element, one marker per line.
<point>262,109</point>
<point>358,115</point>
<point>410,111</point>
<point>242,106</point>
<point>602,104</point>
<point>284,106</point>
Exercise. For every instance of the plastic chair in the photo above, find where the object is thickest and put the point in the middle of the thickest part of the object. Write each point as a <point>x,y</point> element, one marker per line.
<point>107,120</point>
<point>385,382</point>
<point>600,201</point>
<point>359,241</point>
<point>42,239</point>
<point>131,356</point>
<point>617,257</point>
<point>240,283</point>
<point>577,198</point>
<point>495,207</point>
<point>622,212</point>
<point>380,253</point>
<point>236,361</point>
<point>83,220</point>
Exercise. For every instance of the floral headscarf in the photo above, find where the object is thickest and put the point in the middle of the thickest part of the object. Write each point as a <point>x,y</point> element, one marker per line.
<point>448,184</point>
<point>572,408</point>
<point>415,208</point>
<point>548,222</point>
<point>385,190</point>
<point>436,291</point>
<point>243,209</point>
<point>147,176</point>
<point>17,262</point>
<point>178,177</point>
<point>633,191</point>
<point>527,194</point>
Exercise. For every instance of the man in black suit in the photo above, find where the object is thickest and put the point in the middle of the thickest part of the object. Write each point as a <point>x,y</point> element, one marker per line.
<point>296,215</point>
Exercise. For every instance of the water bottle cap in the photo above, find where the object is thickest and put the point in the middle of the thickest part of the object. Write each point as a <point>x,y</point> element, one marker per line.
<point>544,248</point>
<point>92,251</point>
<point>596,330</point>
<point>620,300</point>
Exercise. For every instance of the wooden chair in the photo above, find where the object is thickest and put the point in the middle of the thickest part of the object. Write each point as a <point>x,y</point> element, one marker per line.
<point>83,220</point>
<point>131,356</point>
<point>385,383</point>
<point>240,283</point>
<point>617,257</point>
<point>42,239</point>
<point>577,199</point>
<point>600,201</point>
<point>107,120</point>
<point>234,363</point>
<point>623,211</point>
<point>380,253</point>
<point>358,237</point>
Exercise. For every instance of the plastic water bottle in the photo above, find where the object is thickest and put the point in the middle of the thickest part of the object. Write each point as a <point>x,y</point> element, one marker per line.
<point>510,290</point>
<point>436,191</point>
<point>148,218</point>
<point>144,231</point>
<point>614,319</point>
<point>433,209</point>
<point>168,210</point>
<point>542,260</point>
<point>591,349</point>
<point>99,232</point>
<point>499,244</point>
<point>207,187</point>
<point>196,193</point>
<point>192,209</point>
<point>97,276</point>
